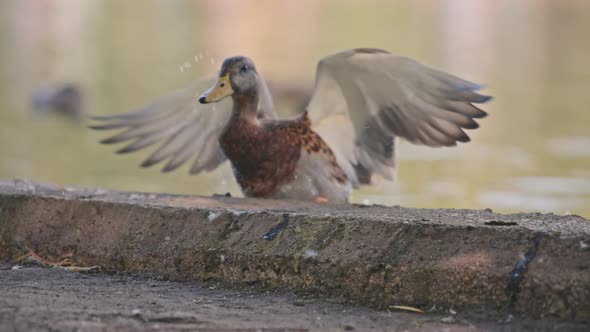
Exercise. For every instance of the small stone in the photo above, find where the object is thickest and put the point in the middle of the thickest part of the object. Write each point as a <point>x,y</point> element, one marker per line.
<point>299,303</point>
<point>509,319</point>
<point>310,253</point>
<point>213,215</point>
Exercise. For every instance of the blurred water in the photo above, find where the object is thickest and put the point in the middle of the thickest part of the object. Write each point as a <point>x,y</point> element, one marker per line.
<point>532,153</point>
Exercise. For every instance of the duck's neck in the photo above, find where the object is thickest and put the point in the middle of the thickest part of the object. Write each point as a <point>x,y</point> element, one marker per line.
<point>245,108</point>
<point>242,128</point>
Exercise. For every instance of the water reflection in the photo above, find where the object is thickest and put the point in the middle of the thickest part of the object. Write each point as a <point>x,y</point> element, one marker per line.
<point>532,153</point>
<point>569,147</point>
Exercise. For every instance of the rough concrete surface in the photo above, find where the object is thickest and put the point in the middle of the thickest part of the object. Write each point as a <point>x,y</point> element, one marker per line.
<point>43,299</point>
<point>474,261</point>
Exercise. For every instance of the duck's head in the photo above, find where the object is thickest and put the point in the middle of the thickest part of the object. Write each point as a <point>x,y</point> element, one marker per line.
<point>237,77</point>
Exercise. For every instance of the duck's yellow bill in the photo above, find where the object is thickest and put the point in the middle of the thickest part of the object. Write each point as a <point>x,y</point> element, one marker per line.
<point>220,90</point>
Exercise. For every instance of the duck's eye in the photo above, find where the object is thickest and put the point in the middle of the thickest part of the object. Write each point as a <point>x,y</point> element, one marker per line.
<point>244,68</point>
<point>222,84</point>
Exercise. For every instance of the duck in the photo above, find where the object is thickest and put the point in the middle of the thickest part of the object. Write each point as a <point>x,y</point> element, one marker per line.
<point>363,100</point>
<point>66,100</point>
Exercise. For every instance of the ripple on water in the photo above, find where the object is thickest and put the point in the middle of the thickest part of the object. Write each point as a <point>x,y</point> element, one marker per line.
<point>526,201</point>
<point>541,193</point>
<point>551,185</point>
<point>572,147</point>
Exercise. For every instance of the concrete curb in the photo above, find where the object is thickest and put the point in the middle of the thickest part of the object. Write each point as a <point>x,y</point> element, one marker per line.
<point>470,260</point>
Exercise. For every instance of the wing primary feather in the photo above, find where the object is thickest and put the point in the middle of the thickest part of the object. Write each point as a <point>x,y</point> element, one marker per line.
<point>462,107</point>
<point>208,158</point>
<point>108,126</point>
<point>192,145</point>
<point>139,131</point>
<point>165,150</point>
<point>391,118</point>
<point>468,96</point>
<point>146,140</point>
<point>138,144</point>
<point>456,118</point>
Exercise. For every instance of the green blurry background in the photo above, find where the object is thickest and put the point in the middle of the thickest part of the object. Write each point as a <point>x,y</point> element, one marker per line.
<point>531,154</point>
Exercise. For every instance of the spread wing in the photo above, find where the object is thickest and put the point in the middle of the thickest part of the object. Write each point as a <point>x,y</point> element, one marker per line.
<point>363,98</point>
<point>180,127</point>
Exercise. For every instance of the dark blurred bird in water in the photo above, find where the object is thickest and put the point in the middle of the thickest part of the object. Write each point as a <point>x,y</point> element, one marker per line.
<point>65,100</point>
<point>363,99</point>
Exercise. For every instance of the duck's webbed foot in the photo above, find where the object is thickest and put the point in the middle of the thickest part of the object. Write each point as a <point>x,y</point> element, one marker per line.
<point>321,199</point>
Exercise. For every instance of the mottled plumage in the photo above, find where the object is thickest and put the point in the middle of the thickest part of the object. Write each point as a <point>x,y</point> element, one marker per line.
<point>362,99</point>
<point>269,159</point>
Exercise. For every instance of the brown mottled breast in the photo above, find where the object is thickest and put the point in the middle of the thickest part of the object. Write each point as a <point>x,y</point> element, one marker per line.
<point>264,157</point>
<point>313,143</point>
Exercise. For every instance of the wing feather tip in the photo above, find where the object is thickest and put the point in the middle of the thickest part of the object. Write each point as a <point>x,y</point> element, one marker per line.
<point>99,117</point>
<point>471,125</point>
<point>168,169</point>
<point>148,163</point>
<point>97,127</point>
<point>482,99</point>
<point>109,140</point>
<point>463,139</point>
<point>475,86</point>
<point>124,150</point>
<point>480,113</point>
